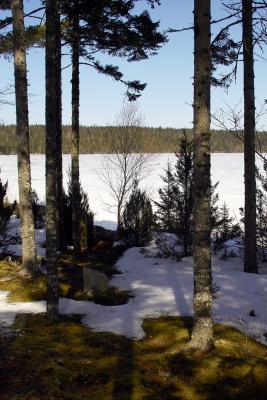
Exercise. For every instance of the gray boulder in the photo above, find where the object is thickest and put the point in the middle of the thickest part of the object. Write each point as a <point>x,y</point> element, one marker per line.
<point>93,281</point>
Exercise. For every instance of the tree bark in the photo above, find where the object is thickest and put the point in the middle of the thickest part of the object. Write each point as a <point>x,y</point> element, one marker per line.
<point>60,229</point>
<point>250,256</point>
<point>202,335</point>
<point>51,155</point>
<point>75,174</point>
<point>29,259</point>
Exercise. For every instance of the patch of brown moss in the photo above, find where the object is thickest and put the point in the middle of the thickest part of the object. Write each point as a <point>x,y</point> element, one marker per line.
<point>70,271</point>
<point>21,288</point>
<point>68,361</point>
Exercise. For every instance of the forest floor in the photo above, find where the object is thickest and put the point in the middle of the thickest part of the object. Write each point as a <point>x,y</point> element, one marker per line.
<point>70,360</point>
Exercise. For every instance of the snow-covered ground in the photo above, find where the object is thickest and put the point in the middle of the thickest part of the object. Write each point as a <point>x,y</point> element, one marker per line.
<point>227,168</point>
<point>160,286</point>
<point>165,287</point>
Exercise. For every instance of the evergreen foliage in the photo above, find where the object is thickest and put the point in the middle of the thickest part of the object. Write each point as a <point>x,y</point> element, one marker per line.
<point>137,217</point>
<point>152,140</point>
<point>176,197</point>
<point>261,208</point>
<point>175,207</point>
<point>38,211</point>
<point>86,219</point>
<point>166,215</point>
<point>113,27</point>
<point>6,209</point>
<point>225,228</point>
<point>261,200</point>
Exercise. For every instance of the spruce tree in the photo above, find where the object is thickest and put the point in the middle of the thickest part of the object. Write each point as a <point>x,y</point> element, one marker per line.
<point>225,227</point>
<point>137,217</point>
<point>261,201</point>
<point>176,197</point>
<point>183,190</point>
<point>175,206</point>
<point>166,215</point>
<point>6,209</point>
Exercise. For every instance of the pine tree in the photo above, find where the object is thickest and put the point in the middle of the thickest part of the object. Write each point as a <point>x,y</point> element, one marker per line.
<point>202,333</point>
<point>250,256</point>
<point>75,145</point>
<point>108,26</point>
<point>51,157</point>
<point>29,258</point>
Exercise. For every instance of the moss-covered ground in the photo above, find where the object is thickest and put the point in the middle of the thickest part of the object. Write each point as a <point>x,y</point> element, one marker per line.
<point>64,360</point>
<point>70,270</point>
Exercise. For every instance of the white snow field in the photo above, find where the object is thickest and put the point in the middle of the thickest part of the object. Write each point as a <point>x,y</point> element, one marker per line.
<point>160,286</point>
<point>227,168</point>
<point>165,287</point>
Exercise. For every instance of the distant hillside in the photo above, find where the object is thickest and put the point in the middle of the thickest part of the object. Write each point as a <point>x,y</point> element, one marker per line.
<point>94,140</point>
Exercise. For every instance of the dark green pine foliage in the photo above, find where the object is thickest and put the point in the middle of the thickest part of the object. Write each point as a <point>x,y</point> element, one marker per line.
<point>184,190</point>
<point>174,210</point>
<point>224,52</point>
<point>225,228</point>
<point>6,209</point>
<point>175,207</point>
<point>261,200</point>
<point>86,221</point>
<point>261,217</point>
<point>166,215</point>
<point>137,218</point>
<point>112,27</point>
<point>214,208</point>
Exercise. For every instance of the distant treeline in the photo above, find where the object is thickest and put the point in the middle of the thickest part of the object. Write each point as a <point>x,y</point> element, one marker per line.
<point>94,140</point>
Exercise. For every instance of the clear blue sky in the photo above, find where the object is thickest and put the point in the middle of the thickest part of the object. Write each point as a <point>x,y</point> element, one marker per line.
<point>167,98</point>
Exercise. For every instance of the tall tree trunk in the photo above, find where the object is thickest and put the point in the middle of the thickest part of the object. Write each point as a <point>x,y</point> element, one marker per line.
<point>75,175</point>
<point>29,260</point>
<point>51,155</point>
<point>202,335</point>
<point>250,256</point>
<point>60,229</point>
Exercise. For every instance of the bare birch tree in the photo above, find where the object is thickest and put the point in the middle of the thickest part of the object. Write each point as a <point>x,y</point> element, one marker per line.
<point>126,163</point>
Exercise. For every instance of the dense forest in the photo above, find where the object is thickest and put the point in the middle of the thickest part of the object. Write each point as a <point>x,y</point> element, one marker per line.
<point>93,139</point>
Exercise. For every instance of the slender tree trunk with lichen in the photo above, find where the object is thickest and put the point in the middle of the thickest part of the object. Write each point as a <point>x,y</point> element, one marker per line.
<point>29,259</point>
<point>75,175</point>
<point>250,256</point>
<point>202,334</point>
<point>51,155</point>
<point>60,229</point>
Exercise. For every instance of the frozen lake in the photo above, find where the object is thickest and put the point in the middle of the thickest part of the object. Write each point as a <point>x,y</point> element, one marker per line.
<point>227,168</point>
